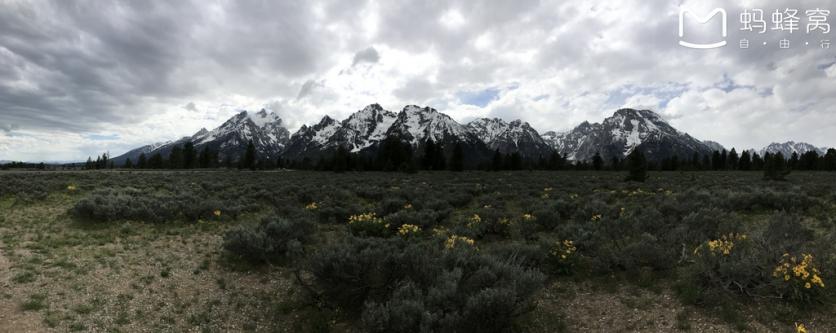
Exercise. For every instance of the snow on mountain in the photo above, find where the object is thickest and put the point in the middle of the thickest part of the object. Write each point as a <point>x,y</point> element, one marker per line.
<point>265,129</point>
<point>516,136</point>
<point>790,147</point>
<point>366,127</point>
<point>416,125</point>
<point>361,130</point>
<point>714,146</point>
<point>487,129</point>
<point>312,141</point>
<point>626,130</point>
<point>364,130</point>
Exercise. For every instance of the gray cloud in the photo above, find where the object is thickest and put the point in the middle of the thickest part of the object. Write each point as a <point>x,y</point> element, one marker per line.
<point>8,128</point>
<point>115,67</point>
<point>307,88</point>
<point>191,107</point>
<point>369,55</point>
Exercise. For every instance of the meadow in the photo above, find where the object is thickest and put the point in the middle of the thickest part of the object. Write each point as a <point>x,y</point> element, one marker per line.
<point>517,251</point>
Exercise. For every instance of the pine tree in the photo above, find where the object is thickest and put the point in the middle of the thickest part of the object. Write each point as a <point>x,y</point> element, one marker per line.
<point>637,166</point>
<point>429,158</point>
<point>156,161</point>
<point>597,161</point>
<point>515,161</point>
<point>496,161</point>
<point>142,163</point>
<point>128,164</point>
<point>89,165</point>
<point>809,161</point>
<point>457,160</point>
<point>757,162</point>
<point>189,155</point>
<point>175,157</point>
<point>440,162</point>
<point>205,158</point>
<point>556,161</point>
<point>732,160</point>
<point>695,161</point>
<point>249,156</point>
<point>745,163</point>
<point>341,157</point>
<point>793,162</point>
<point>775,167</point>
<point>830,160</point>
<point>716,161</point>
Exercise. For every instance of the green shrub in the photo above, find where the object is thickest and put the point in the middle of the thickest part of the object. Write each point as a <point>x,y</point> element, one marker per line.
<point>401,286</point>
<point>274,239</point>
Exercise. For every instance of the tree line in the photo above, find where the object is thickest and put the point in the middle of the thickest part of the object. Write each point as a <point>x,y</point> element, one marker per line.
<point>397,155</point>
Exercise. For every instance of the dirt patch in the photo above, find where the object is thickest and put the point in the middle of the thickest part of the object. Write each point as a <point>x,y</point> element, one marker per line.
<point>12,318</point>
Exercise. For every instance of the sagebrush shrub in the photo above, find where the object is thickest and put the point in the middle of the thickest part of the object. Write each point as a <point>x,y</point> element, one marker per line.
<point>274,239</point>
<point>403,286</point>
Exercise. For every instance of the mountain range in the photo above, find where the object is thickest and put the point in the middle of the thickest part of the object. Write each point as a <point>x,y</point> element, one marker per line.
<point>364,131</point>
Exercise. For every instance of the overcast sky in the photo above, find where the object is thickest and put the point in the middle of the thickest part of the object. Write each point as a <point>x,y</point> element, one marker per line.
<point>78,78</point>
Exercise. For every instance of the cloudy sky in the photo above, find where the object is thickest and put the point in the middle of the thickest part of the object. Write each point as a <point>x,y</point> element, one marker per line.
<point>79,78</point>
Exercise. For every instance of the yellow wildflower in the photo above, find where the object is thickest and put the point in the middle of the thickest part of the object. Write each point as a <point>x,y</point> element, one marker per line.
<point>563,249</point>
<point>217,213</point>
<point>407,206</point>
<point>474,220</point>
<point>71,188</point>
<point>408,229</point>
<point>455,240</point>
<point>800,328</point>
<point>367,217</point>
<point>311,206</point>
<point>596,217</point>
<point>804,270</point>
<point>725,244</point>
<point>528,217</point>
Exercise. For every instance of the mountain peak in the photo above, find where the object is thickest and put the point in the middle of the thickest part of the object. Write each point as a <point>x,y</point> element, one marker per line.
<point>326,120</point>
<point>790,147</point>
<point>627,129</point>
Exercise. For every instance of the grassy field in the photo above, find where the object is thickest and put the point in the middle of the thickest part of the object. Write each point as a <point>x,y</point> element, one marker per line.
<point>288,251</point>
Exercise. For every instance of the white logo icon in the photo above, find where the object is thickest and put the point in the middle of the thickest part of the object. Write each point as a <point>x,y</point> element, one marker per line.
<point>702,20</point>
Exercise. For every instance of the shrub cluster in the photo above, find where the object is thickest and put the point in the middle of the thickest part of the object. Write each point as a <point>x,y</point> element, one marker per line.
<point>273,240</point>
<point>402,286</point>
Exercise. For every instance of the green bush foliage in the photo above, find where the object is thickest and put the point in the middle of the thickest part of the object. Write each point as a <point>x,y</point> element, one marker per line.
<point>274,239</point>
<point>402,286</point>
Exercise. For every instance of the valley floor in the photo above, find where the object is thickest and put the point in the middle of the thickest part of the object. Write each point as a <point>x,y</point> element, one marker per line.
<point>62,271</point>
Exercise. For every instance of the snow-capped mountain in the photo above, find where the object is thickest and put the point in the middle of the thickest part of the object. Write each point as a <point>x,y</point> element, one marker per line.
<point>626,130</point>
<point>265,129</point>
<point>790,147</point>
<point>516,136</point>
<point>363,130</point>
<point>313,141</point>
<point>713,145</point>
<point>416,125</point>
